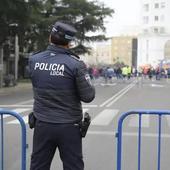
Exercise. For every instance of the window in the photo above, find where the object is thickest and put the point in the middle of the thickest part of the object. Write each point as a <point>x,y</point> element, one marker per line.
<point>156,18</point>
<point>162,4</point>
<point>156,5</point>
<point>162,18</point>
<point>146,7</point>
<point>145,19</point>
<point>145,30</point>
<point>162,30</point>
<point>156,30</point>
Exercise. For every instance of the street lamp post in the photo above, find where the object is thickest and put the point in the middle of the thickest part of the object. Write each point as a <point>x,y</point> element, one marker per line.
<point>1,66</point>
<point>16,57</point>
<point>15,26</point>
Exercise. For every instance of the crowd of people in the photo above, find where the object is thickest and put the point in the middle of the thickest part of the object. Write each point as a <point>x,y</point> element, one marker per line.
<point>126,72</point>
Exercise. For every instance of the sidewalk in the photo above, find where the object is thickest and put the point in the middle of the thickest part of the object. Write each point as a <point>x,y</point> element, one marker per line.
<point>18,87</point>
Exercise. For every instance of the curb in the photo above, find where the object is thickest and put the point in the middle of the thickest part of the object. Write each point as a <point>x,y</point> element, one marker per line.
<point>18,87</point>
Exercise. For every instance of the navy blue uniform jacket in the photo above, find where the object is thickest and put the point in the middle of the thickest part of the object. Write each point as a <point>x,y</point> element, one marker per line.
<point>60,82</point>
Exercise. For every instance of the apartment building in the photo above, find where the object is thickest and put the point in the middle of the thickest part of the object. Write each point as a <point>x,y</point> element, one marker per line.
<point>100,54</point>
<point>124,50</point>
<point>154,40</point>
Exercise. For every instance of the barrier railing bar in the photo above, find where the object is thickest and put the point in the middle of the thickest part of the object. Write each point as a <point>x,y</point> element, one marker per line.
<point>2,143</point>
<point>159,141</point>
<point>119,142</point>
<point>23,135</point>
<point>119,132</point>
<point>139,141</point>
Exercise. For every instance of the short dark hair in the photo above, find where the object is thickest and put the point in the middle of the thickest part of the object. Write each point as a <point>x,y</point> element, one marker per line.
<point>57,40</point>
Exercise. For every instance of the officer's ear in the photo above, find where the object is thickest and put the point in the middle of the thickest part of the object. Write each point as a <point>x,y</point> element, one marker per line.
<point>70,45</point>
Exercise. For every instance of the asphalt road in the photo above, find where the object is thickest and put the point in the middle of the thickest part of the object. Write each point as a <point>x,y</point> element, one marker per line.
<point>100,144</point>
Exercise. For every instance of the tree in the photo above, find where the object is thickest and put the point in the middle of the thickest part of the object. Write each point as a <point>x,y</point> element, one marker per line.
<point>85,16</point>
<point>35,18</point>
<point>11,12</point>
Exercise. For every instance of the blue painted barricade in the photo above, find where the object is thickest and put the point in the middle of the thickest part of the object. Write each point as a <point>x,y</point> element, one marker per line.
<point>23,137</point>
<point>159,113</point>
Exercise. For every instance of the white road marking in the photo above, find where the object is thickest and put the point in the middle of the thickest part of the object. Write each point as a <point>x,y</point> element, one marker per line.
<point>90,105</point>
<point>107,84</point>
<point>152,135</point>
<point>104,117</point>
<point>25,102</point>
<point>128,134</point>
<point>134,121</point>
<point>85,110</point>
<point>18,110</point>
<point>20,105</point>
<point>110,133</point>
<point>25,118</point>
<point>168,119</point>
<point>16,105</point>
<point>157,85</point>
<point>116,95</point>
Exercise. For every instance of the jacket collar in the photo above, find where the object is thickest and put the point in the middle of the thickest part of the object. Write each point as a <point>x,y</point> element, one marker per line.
<point>58,49</point>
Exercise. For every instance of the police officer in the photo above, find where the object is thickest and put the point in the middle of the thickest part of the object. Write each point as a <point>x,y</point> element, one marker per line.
<point>60,82</point>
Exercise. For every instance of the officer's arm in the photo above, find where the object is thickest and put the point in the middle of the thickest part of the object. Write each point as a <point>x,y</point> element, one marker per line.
<point>84,85</point>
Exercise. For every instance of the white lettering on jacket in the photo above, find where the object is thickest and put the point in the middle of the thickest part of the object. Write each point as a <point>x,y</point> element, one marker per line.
<point>55,69</point>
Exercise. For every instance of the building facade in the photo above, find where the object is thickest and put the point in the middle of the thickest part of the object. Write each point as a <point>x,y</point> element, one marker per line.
<point>154,39</point>
<point>100,55</point>
<point>124,50</point>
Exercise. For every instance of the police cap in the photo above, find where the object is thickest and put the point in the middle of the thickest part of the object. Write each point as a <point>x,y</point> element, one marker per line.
<point>64,31</point>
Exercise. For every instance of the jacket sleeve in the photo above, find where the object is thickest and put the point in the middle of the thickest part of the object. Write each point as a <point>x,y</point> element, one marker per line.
<point>85,87</point>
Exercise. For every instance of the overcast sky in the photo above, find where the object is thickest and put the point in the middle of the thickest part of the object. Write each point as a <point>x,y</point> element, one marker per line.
<point>126,15</point>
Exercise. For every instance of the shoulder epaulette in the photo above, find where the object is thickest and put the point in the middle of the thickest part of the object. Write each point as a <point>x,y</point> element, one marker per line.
<point>36,52</point>
<point>73,55</point>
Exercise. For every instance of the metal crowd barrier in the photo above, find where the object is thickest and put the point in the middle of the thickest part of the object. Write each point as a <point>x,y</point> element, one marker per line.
<point>159,113</point>
<point>23,137</point>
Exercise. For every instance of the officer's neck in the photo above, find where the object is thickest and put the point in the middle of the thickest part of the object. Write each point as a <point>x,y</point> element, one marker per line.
<point>62,46</point>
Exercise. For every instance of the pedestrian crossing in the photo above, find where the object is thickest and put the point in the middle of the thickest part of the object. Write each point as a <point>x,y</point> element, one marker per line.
<point>25,118</point>
<point>135,121</point>
<point>18,110</point>
<point>168,118</point>
<point>16,121</point>
<point>105,117</point>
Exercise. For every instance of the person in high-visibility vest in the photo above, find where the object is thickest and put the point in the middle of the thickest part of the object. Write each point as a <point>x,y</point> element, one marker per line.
<point>124,71</point>
<point>129,71</point>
